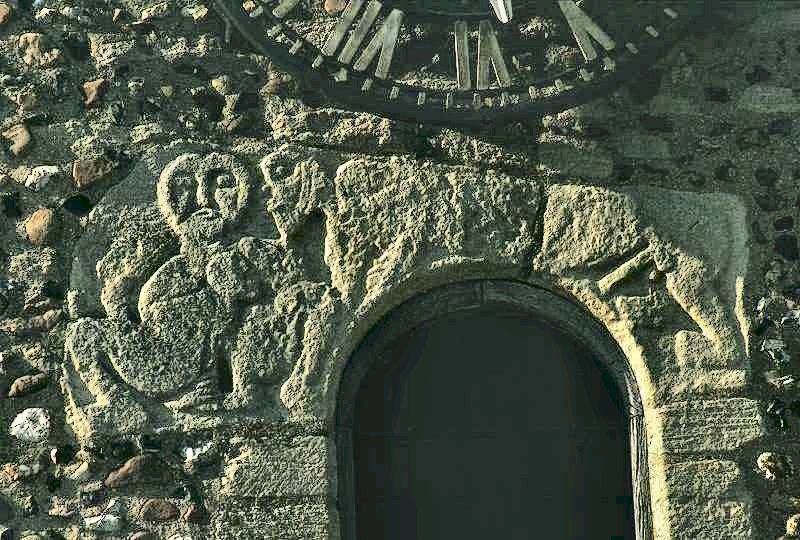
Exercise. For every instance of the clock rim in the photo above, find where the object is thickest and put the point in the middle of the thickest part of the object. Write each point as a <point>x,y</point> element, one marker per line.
<point>351,97</point>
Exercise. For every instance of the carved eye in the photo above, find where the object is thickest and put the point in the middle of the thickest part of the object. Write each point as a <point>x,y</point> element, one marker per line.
<point>182,195</point>
<point>226,181</point>
<point>224,187</point>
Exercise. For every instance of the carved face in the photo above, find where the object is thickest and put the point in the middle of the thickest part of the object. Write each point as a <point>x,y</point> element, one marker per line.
<point>201,196</point>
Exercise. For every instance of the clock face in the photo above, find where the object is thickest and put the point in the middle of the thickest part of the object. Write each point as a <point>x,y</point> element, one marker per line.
<point>462,62</point>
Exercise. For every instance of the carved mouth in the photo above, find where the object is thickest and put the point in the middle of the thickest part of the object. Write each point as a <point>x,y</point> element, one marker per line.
<point>206,213</point>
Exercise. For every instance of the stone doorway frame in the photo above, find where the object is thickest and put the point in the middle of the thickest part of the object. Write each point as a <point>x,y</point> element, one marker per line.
<point>550,306</point>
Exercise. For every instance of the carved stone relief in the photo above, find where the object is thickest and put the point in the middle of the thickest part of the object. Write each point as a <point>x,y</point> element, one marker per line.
<point>694,243</point>
<point>206,329</point>
<point>215,308</point>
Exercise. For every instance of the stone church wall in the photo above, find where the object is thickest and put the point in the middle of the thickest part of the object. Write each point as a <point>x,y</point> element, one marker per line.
<point>170,371</point>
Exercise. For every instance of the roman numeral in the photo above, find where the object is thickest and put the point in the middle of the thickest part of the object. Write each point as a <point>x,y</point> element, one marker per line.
<point>490,56</point>
<point>584,28</point>
<point>384,40</point>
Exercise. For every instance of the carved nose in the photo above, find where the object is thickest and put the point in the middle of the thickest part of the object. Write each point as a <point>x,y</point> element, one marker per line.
<point>203,200</point>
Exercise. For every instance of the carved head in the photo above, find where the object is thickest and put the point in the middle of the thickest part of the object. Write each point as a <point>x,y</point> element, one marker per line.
<point>201,196</point>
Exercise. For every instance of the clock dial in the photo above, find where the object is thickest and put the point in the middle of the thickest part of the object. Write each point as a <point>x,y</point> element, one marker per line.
<point>463,62</point>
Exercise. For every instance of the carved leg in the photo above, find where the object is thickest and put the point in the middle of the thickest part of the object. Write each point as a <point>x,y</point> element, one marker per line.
<point>627,269</point>
<point>695,290</point>
<point>104,403</point>
<point>305,393</point>
<point>258,361</point>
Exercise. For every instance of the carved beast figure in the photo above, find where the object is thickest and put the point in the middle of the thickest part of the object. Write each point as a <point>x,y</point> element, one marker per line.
<point>698,241</point>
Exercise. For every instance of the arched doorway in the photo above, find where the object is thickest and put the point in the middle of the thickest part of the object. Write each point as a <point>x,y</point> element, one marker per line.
<point>508,414</point>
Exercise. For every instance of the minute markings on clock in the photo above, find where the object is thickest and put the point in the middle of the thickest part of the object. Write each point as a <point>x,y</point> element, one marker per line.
<point>360,52</point>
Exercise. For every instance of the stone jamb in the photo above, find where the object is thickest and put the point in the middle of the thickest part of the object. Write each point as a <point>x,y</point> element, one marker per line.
<point>552,308</point>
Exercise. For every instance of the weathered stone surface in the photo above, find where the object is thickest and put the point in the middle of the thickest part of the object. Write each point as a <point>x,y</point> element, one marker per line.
<point>707,499</point>
<point>186,293</point>
<point>637,229</point>
<point>711,425</point>
<point>301,469</point>
<point>292,121</point>
<point>158,510</point>
<point>290,522</point>
<point>387,220</point>
<point>776,22</point>
<point>107,49</point>
<point>769,100</point>
<point>33,325</point>
<point>488,150</point>
<point>586,160</point>
<point>691,382</point>
<point>279,300</point>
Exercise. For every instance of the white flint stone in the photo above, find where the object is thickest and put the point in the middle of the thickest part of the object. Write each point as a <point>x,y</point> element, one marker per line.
<point>103,523</point>
<point>74,13</point>
<point>772,344</point>
<point>43,13</point>
<point>115,506</point>
<point>193,453</point>
<point>160,9</point>
<point>792,318</point>
<point>773,465</point>
<point>31,425</point>
<point>780,382</point>
<point>40,176</point>
<point>195,12</point>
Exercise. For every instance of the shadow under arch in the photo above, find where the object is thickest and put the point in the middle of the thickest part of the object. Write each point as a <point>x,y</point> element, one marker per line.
<point>547,306</point>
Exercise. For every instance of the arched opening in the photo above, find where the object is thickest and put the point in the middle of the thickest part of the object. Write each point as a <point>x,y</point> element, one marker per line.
<point>490,410</point>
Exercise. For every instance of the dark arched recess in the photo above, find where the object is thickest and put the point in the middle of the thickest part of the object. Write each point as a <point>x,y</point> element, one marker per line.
<point>546,306</point>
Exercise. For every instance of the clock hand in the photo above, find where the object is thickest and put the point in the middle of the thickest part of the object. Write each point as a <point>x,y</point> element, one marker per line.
<point>502,8</point>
